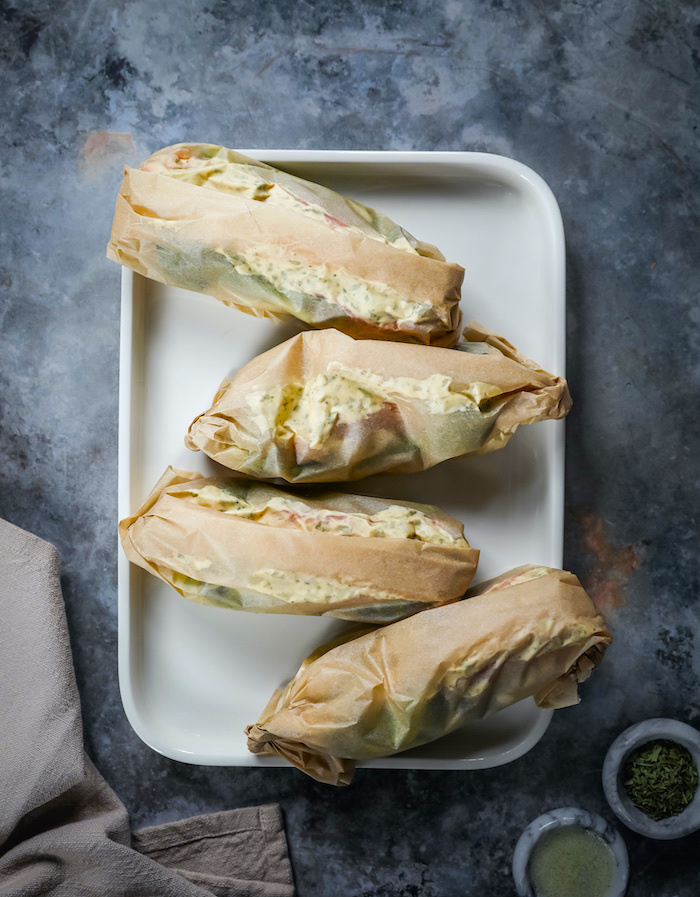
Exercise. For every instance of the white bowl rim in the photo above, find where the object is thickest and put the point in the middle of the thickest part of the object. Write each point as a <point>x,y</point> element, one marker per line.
<point>654,729</point>
<point>563,817</point>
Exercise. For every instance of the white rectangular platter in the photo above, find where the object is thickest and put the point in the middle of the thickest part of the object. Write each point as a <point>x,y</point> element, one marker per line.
<point>192,677</point>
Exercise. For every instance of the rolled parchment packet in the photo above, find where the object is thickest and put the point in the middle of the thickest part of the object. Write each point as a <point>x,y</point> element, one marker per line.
<point>322,407</point>
<point>237,543</point>
<point>271,244</point>
<point>531,632</point>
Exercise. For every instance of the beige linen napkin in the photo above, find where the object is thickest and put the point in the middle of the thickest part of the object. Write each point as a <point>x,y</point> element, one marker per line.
<point>63,831</point>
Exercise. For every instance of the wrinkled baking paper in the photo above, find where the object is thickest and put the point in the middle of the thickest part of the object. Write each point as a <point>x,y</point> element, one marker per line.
<point>237,543</point>
<point>532,631</point>
<point>211,220</point>
<point>322,407</point>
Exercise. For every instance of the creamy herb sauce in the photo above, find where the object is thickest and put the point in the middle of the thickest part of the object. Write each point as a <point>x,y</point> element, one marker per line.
<point>273,585</point>
<point>248,181</point>
<point>524,576</point>
<point>345,395</point>
<point>571,862</point>
<point>369,300</point>
<point>195,563</point>
<point>435,391</point>
<point>394,522</point>
<point>299,588</point>
<point>211,593</point>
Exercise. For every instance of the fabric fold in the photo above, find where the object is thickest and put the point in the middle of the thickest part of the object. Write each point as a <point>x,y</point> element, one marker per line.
<point>63,831</point>
<point>194,847</point>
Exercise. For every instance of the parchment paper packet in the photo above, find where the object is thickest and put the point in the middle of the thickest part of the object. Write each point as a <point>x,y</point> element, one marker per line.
<point>211,220</point>
<point>237,543</point>
<point>532,631</point>
<point>322,407</point>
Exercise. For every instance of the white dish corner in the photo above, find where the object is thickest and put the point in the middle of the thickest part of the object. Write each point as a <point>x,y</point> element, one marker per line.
<point>191,677</point>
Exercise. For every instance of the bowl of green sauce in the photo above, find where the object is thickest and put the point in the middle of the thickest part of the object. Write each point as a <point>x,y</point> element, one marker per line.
<point>650,778</point>
<point>569,852</point>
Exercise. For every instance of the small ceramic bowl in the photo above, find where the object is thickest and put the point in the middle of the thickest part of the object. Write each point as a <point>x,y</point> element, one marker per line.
<point>564,816</point>
<point>650,730</point>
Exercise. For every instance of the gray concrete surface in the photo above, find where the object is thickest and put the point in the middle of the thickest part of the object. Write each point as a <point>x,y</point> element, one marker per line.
<point>601,99</point>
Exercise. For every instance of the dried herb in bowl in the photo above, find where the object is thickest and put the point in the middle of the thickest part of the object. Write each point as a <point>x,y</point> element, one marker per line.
<point>661,779</point>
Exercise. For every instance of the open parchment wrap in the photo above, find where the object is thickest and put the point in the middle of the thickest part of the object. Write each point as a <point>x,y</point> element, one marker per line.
<point>241,544</point>
<point>322,407</point>
<point>211,220</point>
<point>532,631</point>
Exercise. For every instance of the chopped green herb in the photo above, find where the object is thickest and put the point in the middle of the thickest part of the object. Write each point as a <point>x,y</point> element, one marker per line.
<point>661,778</point>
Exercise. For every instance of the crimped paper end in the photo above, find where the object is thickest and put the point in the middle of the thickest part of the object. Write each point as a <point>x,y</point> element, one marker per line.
<point>323,767</point>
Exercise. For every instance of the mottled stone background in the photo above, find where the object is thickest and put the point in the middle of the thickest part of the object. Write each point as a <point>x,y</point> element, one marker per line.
<point>602,99</point>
